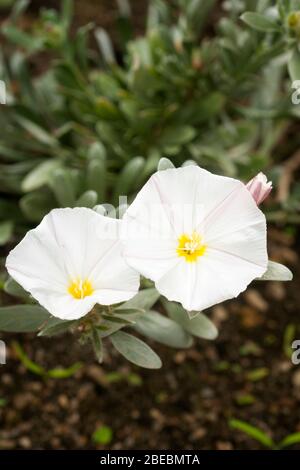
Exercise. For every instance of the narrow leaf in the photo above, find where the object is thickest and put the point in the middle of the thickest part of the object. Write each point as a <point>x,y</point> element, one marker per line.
<point>163,329</point>
<point>22,318</point>
<point>260,22</point>
<point>199,326</point>
<point>144,299</point>
<point>135,350</point>
<point>255,433</point>
<point>290,440</point>
<point>276,272</point>
<point>11,287</point>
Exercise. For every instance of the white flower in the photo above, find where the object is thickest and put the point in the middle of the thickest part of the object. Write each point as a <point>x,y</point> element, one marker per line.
<point>199,236</point>
<point>72,261</point>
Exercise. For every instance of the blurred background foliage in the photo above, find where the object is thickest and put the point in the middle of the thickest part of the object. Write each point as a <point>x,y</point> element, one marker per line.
<point>202,84</point>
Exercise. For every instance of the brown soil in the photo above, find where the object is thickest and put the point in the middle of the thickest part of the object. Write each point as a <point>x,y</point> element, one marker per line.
<point>184,405</point>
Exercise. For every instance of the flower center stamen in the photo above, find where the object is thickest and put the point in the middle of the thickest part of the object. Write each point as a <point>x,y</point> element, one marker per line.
<point>79,288</point>
<point>190,246</point>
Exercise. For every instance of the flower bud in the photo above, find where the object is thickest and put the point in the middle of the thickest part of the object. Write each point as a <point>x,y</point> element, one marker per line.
<point>259,187</point>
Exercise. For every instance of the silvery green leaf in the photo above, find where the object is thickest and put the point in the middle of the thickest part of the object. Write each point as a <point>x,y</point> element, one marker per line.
<point>6,230</point>
<point>164,164</point>
<point>22,318</point>
<point>87,199</point>
<point>294,65</point>
<point>11,287</point>
<point>116,319</point>
<point>163,329</point>
<point>192,314</point>
<point>105,45</point>
<point>97,344</point>
<point>40,175</point>
<point>135,350</point>
<point>276,272</point>
<point>144,299</point>
<point>199,326</point>
<point>128,311</point>
<point>63,187</point>
<point>260,22</point>
<point>55,326</point>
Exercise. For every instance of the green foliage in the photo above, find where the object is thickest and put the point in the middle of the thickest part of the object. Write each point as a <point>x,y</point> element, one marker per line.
<point>276,272</point>
<point>22,318</point>
<point>262,437</point>
<point>135,350</point>
<point>84,133</point>
<point>199,325</point>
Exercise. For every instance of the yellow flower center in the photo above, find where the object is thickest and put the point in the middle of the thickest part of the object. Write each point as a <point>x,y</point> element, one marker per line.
<point>190,246</point>
<point>80,289</point>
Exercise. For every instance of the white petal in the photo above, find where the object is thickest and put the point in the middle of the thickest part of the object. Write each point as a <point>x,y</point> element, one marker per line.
<point>70,244</point>
<point>36,262</point>
<point>222,211</point>
<point>64,306</point>
<point>215,277</point>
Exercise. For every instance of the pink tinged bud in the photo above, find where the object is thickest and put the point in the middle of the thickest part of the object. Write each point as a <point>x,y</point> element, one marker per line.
<point>259,187</point>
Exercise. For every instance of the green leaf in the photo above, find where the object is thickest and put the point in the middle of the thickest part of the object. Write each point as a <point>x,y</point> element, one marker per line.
<point>294,65</point>
<point>164,164</point>
<point>56,326</point>
<point>63,373</point>
<point>127,178</point>
<point>36,204</point>
<point>87,199</point>
<point>163,329</point>
<point>128,311</point>
<point>40,175</point>
<point>40,134</point>
<point>97,344</point>
<point>255,433</point>
<point>199,326</point>
<point>11,287</point>
<point>22,39</point>
<point>62,185</point>
<point>105,46</point>
<point>135,350</point>
<point>260,22</point>
<point>290,440</point>
<point>6,231</point>
<point>96,171</point>
<point>26,361</point>
<point>276,272</point>
<point>144,299</point>
<point>116,319</point>
<point>22,318</point>
<point>103,435</point>
<point>177,135</point>
<point>67,13</point>
<point>56,373</point>
<point>18,9</point>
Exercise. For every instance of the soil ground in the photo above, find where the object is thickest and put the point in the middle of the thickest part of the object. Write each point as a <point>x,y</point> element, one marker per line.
<point>245,374</point>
